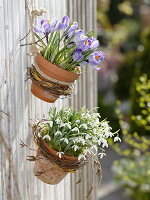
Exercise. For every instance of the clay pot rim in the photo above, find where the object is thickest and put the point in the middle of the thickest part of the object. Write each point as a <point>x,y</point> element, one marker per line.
<point>54,152</point>
<point>61,70</point>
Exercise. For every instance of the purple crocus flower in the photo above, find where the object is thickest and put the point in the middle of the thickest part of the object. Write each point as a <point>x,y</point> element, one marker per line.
<point>90,43</point>
<point>45,26</point>
<point>72,28</point>
<point>94,43</point>
<point>96,58</point>
<point>83,45</point>
<point>77,55</point>
<point>79,36</point>
<point>64,24</point>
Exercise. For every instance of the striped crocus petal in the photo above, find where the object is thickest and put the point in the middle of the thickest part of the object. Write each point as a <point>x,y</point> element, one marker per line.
<point>64,24</point>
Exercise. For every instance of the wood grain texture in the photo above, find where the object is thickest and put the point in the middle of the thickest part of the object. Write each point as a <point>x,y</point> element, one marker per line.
<point>23,108</point>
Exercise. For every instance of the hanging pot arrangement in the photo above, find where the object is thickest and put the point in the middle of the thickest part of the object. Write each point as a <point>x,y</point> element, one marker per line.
<point>49,167</point>
<point>62,51</point>
<point>50,81</point>
<point>66,141</point>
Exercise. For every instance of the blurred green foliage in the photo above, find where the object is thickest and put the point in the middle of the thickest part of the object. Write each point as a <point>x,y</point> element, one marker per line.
<point>126,32</point>
<point>135,64</point>
<point>135,176</point>
<point>134,171</point>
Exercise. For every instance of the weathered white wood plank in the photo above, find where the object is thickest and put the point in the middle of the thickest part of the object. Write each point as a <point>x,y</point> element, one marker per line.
<point>23,107</point>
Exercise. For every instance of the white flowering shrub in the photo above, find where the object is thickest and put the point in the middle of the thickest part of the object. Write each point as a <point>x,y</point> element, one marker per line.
<point>75,133</point>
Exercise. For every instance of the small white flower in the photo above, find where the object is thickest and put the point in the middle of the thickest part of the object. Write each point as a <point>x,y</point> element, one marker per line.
<point>96,121</point>
<point>117,139</point>
<point>103,140</point>
<point>84,126</point>
<point>60,154</point>
<point>58,133</point>
<point>65,140</point>
<point>77,121</point>
<point>94,147</point>
<point>75,129</point>
<point>51,123</point>
<point>105,145</point>
<point>102,155</point>
<point>75,147</point>
<point>99,142</point>
<point>104,124</point>
<point>96,115</point>
<point>47,137</point>
<point>62,124</point>
<point>80,139</point>
<point>58,121</point>
<point>95,139</point>
<point>81,157</point>
<point>108,134</point>
<point>69,126</point>
<point>87,136</point>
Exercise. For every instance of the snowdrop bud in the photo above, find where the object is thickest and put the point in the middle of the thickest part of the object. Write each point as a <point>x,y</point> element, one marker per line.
<point>117,139</point>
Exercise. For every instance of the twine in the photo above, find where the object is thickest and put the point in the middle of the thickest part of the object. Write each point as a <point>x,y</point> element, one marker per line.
<point>49,78</point>
<point>50,86</point>
<point>67,165</point>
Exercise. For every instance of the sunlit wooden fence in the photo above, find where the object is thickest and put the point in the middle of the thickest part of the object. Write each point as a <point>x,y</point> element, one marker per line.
<point>19,108</point>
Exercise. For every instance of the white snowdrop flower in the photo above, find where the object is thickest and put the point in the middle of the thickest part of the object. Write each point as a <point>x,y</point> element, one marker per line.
<point>94,147</point>
<point>69,126</point>
<point>84,126</point>
<point>58,133</point>
<point>60,154</point>
<point>108,134</point>
<point>58,121</point>
<point>96,121</point>
<point>47,137</point>
<point>77,121</point>
<point>99,142</point>
<point>103,140</point>
<point>87,136</point>
<point>81,157</point>
<point>102,155</point>
<point>62,124</point>
<point>105,145</point>
<point>80,139</point>
<point>96,115</point>
<point>75,129</point>
<point>51,123</point>
<point>106,128</point>
<point>75,147</point>
<point>65,140</point>
<point>117,139</point>
<point>83,141</point>
<point>95,139</point>
<point>104,124</point>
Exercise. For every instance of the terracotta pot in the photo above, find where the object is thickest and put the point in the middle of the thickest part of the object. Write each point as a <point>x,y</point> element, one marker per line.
<point>42,94</point>
<point>46,170</point>
<point>53,71</point>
